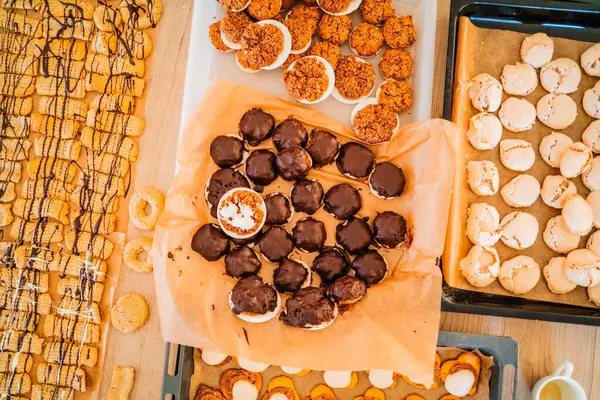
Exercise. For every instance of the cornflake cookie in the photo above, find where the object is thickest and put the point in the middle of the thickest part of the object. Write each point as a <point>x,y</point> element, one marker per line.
<point>328,51</point>
<point>485,93</point>
<point>232,27</point>
<point>557,111</point>
<point>558,237</point>
<point>335,29</point>
<point>121,383</point>
<point>234,5</point>
<point>396,64</point>
<point>262,46</point>
<point>376,11</point>
<point>521,191</point>
<point>399,32</point>
<point>483,224</point>
<point>519,275</point>
<point>129,313</point>
<point>354,80</point>
<point>395,94</point>
<point>519,230</point>
<point>519,79</point>
<point>590,60</point>
<point>591,101</point>
<point>560,76</point>
<point>591,136</point>
<point>263,9</point>
<point>309,80</point>
<point>553,147</point>
<point>537,50</point>
<point>576,160</point>
<point>483,177</point>
<point>517,115</point>
<point>485,131</point>
<point>366,40</point>
<point>554,273</point>
<point>556,189</point>
<point>517,154</point>
<point>374,123</point>
<point>578,215</point>
<point>481,266</point>
<point>591,177</point>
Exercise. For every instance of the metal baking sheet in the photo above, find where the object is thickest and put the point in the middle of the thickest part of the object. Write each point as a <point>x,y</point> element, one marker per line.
<point>578,20</point>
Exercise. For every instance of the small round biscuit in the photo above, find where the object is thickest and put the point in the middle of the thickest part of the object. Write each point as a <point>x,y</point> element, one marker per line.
<point>554,273</point>
<point>591,101</point>
<point>583,268</point>
<point>480,266</point>
<point>537,49</point>
<point>522,191</point>
<point>591,177</point>
<point>519,79</point>
<point>593,243</point>
<point>519,274</point>
<point>129,313</point>
<point>517,154</point>
<point>553,147</point>
<point>576,160</point>
<point>519,230</point>
<point>561,76</point>
<point>591,136</point>
<point>556,189</point>
<point>146,198</point>
<point>590,60</point>
<point>132,251</point>
<point>578,214</point>
<point>517,115</point>
<point>558,238</point>
<point>483,224</point>
<point>557,111</point>
<point>594,294</point>
<point>483,177</point>
<point>485,93</point>
<point>485,131</point>
<point>593,200</point>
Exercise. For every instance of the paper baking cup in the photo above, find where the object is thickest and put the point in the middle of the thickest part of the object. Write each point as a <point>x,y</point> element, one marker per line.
<point>230,44</point>
<point>338,96</point>
<point>258,318</point>
<point>287,43</point>
<point>363,104</point>
<point>351,8</point>
<point>330,75</point>
<point>258,227</point>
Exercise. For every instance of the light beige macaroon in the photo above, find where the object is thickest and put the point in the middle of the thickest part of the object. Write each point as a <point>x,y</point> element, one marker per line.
<point>519,79</point>
<point>591,101</point>
<point>578,214</point>
<point>483,177</point>
<point>519,274</point>
<point>562,75</point>
<point>522,191</point>
<point>485,93</point>
<point>591,177</point>
<point>558,237</point>
<point>517,115</point>
<point>593,200</point>
<point>590,60</point>
<point>591,136</point>
<point>485,131</point>
<point>517,154</point>
<point>593,243</point>
<point>576,160</point>
<point>519,230</point>
<point>483,224</point>
<point>557,111</point>
<point>481,266</point>
<point>583,268</point>
<point>594,294</point>
<point>553,147</point>
<point>537,49</point>
<point>555,190</point>
<point>554,273</point>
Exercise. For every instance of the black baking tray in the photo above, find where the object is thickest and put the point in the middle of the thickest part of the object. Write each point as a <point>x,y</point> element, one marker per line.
<point>579,20</point>
<point>505,352</point>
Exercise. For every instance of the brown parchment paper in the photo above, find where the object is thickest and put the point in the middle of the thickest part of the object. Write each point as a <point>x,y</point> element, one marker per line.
<point>394,327</point>
<point>210,376</point>
<point>488,50</point>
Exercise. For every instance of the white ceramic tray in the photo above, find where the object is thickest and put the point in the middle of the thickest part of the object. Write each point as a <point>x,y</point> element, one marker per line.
<point>206,64</point>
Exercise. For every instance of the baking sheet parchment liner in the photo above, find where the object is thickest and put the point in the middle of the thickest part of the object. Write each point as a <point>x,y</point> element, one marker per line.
<point>210,376</point>
<point>394,327</point>
<point>489,50</point>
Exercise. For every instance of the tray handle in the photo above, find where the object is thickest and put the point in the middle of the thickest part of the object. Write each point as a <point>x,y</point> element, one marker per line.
<point>177,384</point>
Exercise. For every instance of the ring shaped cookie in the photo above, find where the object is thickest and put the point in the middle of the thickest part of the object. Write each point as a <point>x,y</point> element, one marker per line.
<point>141,14</point>
<point>133,249</point>
<point>137,208</point>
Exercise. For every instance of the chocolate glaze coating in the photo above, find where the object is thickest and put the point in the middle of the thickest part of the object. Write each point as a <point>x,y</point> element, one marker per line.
<point>343,201</point>
<point>241,262</point>
<point>227,151</point>
<point>210,242</point>
<point>293,163</point>
<point>323,147</point>
<point>387,180</point>
<point>308,307</point>
<point>309,234</point>
<point>289,276</point>
<point>354,235</point>
<point>260,167</point>
<point>222,181</point>
<point>276,244</point>
<point>256,126</point>
<point>355,160</point>
<point>389,229</point>
<point>370,266</point>
<point>346,290</point>
<point>307,196</point>
<point>288,133</point>
<point>331,264</point>
<point>279,209</point>
<point>252,295</point>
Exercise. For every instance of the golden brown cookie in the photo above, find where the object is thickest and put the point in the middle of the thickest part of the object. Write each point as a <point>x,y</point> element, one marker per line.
<point>121,383</point>
<point>142,198</point>
<point>129,313</point>
<point>132,251</point>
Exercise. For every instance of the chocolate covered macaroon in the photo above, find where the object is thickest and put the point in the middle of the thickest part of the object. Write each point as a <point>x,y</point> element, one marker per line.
<point>256,126</point>
<point>389,229</point>
<point>241,262</point>
<point>331,264</point>
<point>227,151</point>
<point>343,201</point>
<point>370,266</point>
<point>309,234</point>
<point>288,133</point>
<point>387,181</point>
<point>260,167</point>
<point>291,276</point>
<point>355,160</point>
<point>253,300</point>
<point>276,244</point>
<point>222,181</point>
<point>354,235</point>
<point>347,290</point>
<point>307,196</point>
<point>279,209</point>
<point>309,309</point>
<point>210,242</point>
<point>293,163</point>
<point>323,147</point>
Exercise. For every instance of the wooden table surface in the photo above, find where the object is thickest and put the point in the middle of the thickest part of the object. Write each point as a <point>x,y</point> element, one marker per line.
<point>542,344</point>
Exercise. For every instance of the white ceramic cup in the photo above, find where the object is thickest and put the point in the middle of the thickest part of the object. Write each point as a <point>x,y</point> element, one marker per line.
<point>569,388</point>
